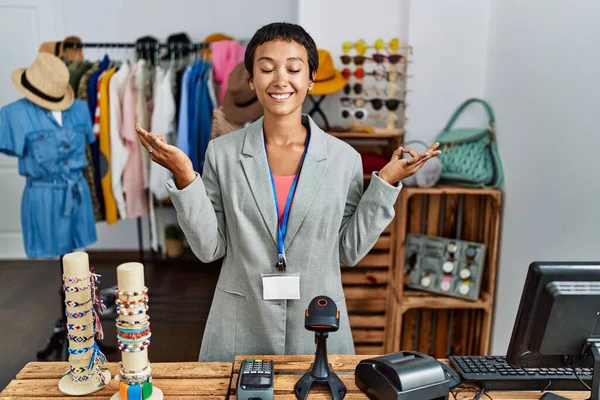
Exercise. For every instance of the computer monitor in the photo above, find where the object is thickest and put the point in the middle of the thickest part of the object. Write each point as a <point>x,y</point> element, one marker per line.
<point>558,321</point>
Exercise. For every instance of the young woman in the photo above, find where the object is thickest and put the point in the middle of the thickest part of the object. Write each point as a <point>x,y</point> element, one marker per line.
<point>282,202</point>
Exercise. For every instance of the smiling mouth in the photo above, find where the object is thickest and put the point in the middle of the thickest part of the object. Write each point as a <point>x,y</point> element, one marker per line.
<point>280,96</point>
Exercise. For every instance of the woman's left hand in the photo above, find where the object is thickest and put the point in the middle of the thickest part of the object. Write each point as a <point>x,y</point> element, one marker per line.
<point>400,168</point>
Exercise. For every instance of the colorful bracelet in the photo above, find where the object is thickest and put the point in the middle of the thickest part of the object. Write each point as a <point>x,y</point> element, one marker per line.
<point>72,279</point>
<point>133,335</point>
<point>140,304</point>
<point>77,327</point>
<point>71,303</point>
<point>78,314</point>
<point>138,330</point>
<point>140,322</point>
<point>129,294</point>
<point>132,313</point>
<point>75,289</point>
<point>80,351</point>
<point>135,392</point>
<point>132,348</point>
<point>133,302</point>
<point>79,339</point>
<point>136,340</point>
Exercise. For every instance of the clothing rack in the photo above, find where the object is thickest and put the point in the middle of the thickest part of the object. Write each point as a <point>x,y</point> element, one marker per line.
<point>140,45</point>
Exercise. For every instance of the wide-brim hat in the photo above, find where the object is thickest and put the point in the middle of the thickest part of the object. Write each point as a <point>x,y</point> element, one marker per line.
<point>327,79</point>
<point>240,103</point>
<point>45,82</point>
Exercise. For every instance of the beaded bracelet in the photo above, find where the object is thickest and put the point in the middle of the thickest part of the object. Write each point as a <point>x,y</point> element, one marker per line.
<point>132,313</point>
<point>129,294</point>
<point>79,339</point>
<point>71,303</point>
<point>75,289</point>
<point>129,303</point>
<point>72,279</point>
<point>127,332</point>
<point>133,335</point>
<point>126,306</point>
<point>77,327</point>
<point>133,347</point>
<point>136,340</point>
<point>77,370</point>
<point>78,314</point>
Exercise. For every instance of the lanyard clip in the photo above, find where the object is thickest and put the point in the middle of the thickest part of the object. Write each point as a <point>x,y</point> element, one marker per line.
<point>281,263</point>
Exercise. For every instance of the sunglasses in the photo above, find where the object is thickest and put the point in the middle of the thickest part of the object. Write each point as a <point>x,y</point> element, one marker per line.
<point>390,104</point>
<point>358,60</point>
<point>392,58</point>
<point>358,113</point>
<point>359,73</point>
<point>357,87</point>
<point>377,103</point>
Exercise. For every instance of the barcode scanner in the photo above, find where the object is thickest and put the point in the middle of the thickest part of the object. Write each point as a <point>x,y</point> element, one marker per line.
<point>321,316</point>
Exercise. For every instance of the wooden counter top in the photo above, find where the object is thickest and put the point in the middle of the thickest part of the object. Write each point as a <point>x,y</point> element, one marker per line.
<point>192,380</point>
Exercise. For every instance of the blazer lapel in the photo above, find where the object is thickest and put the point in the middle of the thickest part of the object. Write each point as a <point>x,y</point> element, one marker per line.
<point>311,178</point>
<point>256,169</point>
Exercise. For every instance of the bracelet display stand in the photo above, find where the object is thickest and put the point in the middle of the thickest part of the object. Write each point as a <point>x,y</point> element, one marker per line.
<point>86,373</point>
<point>133,334</point>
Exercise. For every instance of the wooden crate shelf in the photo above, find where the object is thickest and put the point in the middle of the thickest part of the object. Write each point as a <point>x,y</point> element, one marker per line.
<point>427,322</point>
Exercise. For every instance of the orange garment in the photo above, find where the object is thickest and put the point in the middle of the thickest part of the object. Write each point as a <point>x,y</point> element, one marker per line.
<point>110,204</point>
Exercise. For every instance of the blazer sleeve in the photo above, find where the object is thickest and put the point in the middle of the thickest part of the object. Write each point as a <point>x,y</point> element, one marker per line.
<point>365,215</point>
<point>200,211</point>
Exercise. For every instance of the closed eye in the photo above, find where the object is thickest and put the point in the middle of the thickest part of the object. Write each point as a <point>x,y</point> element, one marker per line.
<point>293,71</point>
<point>266,71</point>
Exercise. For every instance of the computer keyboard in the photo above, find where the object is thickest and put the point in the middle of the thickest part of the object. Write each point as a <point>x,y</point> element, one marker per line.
<point>494,373</point>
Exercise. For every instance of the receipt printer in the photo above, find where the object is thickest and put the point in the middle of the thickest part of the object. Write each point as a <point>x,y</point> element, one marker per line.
<point>403,375</point>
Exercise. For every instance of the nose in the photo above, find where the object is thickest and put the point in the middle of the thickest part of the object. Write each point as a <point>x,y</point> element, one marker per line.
<point>281,78</point>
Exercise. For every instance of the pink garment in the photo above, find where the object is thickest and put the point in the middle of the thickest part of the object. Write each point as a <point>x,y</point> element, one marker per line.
<point>283,184</point>
<point>225,54</point>
<point>136,201</point>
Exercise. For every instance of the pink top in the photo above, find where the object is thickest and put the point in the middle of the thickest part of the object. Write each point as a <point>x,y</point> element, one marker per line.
<point>136,200</point>
<point>283,184</point>
<point>225,55</point>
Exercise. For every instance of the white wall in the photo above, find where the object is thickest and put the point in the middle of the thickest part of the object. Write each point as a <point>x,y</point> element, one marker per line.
<point>542,78</point>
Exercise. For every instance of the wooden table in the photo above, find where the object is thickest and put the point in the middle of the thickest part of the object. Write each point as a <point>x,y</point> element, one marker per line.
<point>192,380</point>
<point>288,370</point>
<point>181,381</point>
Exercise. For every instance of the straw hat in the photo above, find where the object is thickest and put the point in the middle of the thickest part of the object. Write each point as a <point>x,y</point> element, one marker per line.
<point>45,83</point>
<point>327,79</point>
<point>240,104</point>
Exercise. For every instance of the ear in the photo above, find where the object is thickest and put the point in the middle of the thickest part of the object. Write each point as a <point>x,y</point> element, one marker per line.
<point>251,83</point>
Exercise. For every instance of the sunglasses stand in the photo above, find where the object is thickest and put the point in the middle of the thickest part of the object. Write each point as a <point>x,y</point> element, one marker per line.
<point>391,61</point>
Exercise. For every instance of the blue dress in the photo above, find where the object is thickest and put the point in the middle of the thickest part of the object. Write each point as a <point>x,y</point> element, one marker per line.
<point>57,215</point>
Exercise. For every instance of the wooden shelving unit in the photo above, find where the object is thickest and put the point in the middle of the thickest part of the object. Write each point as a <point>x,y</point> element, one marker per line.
<point>430,323</point>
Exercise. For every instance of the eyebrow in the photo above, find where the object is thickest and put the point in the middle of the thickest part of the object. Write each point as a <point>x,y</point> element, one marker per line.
<point>289,59</point>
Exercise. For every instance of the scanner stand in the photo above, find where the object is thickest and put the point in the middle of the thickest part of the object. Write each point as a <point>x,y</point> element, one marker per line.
<point>321,372</point>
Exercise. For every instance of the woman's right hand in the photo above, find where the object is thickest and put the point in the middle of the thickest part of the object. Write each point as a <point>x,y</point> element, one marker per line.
<point>169,156</point>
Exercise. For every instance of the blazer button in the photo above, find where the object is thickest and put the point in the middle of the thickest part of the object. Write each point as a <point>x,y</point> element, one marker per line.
<point>67,146</point>
<point>65,163</point>
<point>41,136</point>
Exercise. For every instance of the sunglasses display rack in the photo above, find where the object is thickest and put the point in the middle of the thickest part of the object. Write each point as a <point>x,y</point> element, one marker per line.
<point>363,88</point>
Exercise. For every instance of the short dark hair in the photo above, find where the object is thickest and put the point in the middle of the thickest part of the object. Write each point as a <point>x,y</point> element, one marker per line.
<point>283,31</point>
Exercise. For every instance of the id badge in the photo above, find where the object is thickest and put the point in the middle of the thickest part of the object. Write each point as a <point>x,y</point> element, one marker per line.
<point>281,286</point>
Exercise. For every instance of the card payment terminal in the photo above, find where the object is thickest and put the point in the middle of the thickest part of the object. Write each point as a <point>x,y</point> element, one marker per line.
<point>255,381</point>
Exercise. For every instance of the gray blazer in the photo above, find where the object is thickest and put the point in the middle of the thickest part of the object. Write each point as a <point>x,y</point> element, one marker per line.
<point>230,212</point>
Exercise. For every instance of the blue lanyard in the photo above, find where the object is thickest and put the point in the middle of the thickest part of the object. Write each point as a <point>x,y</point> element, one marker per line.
<point>282,225</point>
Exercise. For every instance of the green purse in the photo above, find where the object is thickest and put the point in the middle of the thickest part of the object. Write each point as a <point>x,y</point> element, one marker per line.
<point>470,155</point>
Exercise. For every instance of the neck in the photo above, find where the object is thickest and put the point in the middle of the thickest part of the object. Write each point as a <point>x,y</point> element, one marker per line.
<point>286,130</point>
